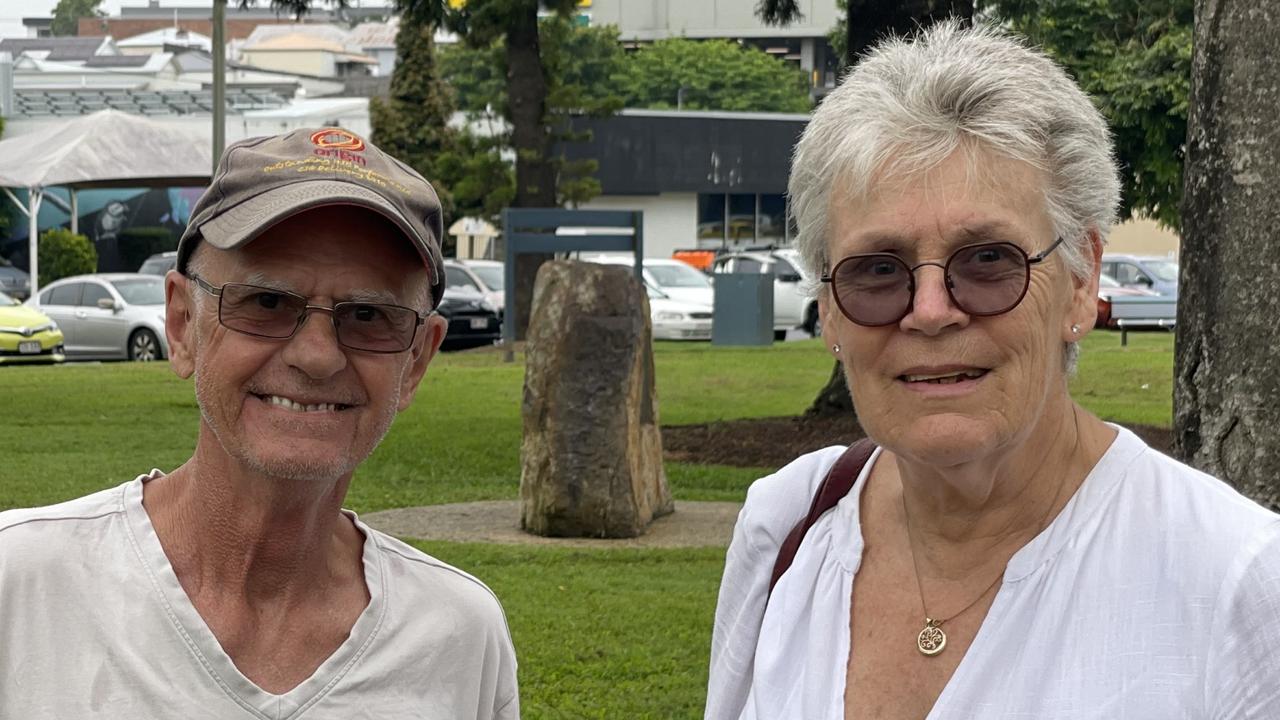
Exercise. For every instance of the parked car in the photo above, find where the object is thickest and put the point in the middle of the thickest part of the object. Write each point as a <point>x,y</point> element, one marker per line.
<point>676,319</point>
<point>1157,274</point>
<point>675,279</point>
<point>486,277</point>
<point>14,282</point>
<point>27,335</point>
<point>160,263</point>
<point>1108,291</point>
<point>792,304</point>
<point>109,316</point>
<point>473,321</point>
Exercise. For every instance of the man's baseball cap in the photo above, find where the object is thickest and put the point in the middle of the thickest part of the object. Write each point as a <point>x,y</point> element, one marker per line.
<point>261,181</point>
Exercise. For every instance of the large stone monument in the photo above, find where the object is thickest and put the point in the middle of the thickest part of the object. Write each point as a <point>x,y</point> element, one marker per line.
<point>592,453</point>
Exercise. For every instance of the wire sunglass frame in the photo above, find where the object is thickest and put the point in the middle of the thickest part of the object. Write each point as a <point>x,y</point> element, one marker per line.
<point>305,311</point>
<point>1029,261</point>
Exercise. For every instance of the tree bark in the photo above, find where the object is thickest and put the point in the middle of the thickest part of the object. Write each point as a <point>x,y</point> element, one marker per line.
<point>535,177</point>
<point>1227,368</point>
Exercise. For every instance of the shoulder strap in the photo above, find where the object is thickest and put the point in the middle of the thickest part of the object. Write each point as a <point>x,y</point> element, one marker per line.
<point>838,482</point>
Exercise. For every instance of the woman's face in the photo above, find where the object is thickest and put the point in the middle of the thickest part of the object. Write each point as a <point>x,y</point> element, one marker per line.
<point>904,376</point>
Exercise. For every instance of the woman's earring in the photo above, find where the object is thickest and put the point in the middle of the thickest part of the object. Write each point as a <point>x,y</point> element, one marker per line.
<point>1075,329</point>
<point>835,349</point>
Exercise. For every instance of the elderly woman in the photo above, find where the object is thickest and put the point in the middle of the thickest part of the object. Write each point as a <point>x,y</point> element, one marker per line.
<point>1002,553</point>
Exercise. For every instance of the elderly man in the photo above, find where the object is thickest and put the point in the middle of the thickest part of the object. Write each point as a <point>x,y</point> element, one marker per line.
<point>235,586</point>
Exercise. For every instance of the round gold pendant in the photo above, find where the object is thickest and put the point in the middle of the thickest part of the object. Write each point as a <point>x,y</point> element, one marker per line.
<point>931,639</point>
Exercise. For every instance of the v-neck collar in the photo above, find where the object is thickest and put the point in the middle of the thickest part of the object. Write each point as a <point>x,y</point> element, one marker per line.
<point>200,640</point>
<point>1085,507</point>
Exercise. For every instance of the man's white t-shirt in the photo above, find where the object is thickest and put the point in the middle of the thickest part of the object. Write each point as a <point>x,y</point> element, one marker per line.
<point>1154,595</point>
<point>93,623</point>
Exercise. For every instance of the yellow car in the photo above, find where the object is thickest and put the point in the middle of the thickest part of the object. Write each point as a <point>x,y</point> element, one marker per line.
<point>27,335</point>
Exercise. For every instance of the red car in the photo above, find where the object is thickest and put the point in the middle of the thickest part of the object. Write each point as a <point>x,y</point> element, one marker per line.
<point>1107,289</point>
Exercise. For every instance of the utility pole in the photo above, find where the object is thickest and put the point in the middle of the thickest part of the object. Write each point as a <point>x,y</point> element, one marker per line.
<point>219,80</point>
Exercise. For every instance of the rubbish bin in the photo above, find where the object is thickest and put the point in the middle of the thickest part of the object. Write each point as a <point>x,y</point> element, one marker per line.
<point>743,309</point>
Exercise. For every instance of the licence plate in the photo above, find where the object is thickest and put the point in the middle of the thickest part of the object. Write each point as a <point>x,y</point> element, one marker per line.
<point>29,348</point>
<point>479,323</point>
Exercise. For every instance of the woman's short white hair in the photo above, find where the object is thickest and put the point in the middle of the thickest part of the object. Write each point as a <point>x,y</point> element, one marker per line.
<point>909,105</point>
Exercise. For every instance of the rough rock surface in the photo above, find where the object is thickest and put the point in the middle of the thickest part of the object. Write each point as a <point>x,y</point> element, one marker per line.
<point>591,460</point>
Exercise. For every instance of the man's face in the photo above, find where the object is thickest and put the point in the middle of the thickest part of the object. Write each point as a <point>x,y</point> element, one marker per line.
<point>304,407</point>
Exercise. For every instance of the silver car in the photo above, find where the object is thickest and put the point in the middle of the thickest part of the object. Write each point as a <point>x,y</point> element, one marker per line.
<point>109,316</point>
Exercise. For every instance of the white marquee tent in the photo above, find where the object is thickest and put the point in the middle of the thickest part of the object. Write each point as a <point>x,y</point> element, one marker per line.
<point>103,150</point>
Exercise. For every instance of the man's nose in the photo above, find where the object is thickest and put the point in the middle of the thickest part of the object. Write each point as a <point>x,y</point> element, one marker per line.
<point>314,348</point>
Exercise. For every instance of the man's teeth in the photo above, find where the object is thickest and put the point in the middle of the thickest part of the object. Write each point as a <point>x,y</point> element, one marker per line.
<point>286,403</point>
<point>946,379</point>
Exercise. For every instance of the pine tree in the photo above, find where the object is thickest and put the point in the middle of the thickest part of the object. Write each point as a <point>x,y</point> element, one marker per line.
<point>412,123</point>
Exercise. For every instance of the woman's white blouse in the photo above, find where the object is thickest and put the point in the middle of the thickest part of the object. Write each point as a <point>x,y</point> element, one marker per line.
<point>1154,595</point>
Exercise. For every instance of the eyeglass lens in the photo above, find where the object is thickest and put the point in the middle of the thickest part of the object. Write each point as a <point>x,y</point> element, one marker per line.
<point>878,289</point>
<point>361,326</point>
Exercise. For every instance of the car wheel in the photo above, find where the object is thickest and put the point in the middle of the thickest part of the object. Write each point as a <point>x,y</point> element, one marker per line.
<point>144,346</point>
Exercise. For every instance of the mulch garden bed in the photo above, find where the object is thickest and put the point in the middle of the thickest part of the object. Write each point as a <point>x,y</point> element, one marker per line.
<point>774,442</point>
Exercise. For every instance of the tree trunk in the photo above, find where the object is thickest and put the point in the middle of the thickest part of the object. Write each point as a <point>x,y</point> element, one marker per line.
<point>834,398</point>
<point>1227,368</point>
<point>527,105</point>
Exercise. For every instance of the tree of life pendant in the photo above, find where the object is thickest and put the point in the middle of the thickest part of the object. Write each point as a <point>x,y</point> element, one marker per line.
<point>931,639</point>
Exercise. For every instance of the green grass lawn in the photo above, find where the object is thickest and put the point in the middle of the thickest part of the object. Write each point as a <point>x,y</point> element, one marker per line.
<point>600,633</point>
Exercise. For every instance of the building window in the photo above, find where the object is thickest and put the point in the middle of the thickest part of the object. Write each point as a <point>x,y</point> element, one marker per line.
<point>710,219</point>
<point>772,224</point>
<point>742,219</point>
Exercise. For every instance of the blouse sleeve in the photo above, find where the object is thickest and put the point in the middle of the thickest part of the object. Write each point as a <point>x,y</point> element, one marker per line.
<point>1243,677</point>
<point>774,505</point>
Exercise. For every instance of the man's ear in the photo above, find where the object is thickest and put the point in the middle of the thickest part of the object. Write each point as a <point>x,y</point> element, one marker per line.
<point>180,323</point>
<point>424,349</point>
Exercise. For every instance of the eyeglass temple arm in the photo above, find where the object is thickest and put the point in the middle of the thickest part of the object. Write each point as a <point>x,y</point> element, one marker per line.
<point>1039,257</point>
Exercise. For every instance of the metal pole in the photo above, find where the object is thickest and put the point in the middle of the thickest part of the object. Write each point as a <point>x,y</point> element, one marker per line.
<point>34,195</point>
<point>219,80</point>
<point>75,212</point>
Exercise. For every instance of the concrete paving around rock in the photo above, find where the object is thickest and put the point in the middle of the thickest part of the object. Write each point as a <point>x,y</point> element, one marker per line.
<point>693,524</point>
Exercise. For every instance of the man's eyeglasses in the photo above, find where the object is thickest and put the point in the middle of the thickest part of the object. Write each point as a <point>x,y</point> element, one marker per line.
<point>986,279</point>
<point>270,313</point>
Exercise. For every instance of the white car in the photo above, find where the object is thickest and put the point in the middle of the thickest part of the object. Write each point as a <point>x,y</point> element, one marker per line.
<point>109,316</point>
<point>793,306</point>
<point>486,277</point>
<point>676,279</point>
<point>678,320</point>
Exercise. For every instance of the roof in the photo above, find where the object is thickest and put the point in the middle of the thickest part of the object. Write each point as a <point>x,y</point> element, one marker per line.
<point>83,101</point>
<point>117,61</point>
<point>298,36</point>
<point>167,36</point>
<point>375,35</point>
<point>58,48</point>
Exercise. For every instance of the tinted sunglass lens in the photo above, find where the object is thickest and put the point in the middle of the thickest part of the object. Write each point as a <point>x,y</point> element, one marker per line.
<point>988,279</point>
<point>379,328</point>
<point>873,289</point>
<point>259,311</point>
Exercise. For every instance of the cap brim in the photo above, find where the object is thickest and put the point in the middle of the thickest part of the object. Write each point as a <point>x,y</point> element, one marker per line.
<point>239,225</point>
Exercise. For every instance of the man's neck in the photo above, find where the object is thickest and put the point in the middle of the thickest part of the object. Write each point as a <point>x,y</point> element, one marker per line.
<point>249,538</point>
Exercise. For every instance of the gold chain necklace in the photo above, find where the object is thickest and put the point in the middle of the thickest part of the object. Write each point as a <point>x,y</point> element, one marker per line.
<point>932,640</point>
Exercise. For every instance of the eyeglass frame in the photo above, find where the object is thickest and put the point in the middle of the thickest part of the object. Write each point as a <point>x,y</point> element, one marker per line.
<point>1029,262</point>
<point>216,291</point>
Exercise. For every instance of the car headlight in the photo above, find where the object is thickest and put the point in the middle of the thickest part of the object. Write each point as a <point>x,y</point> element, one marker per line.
<point>670,316</point>
<point>53,326</point>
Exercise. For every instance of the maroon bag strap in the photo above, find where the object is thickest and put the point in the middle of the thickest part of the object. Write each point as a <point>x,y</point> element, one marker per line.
<point>838,482</point>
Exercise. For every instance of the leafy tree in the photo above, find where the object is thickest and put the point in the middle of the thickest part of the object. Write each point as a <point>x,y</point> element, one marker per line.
<point>63,253</point>
<point>711,75</point>
<point>67,14</point>
<point>412,123</point>
<point>1134,57</point>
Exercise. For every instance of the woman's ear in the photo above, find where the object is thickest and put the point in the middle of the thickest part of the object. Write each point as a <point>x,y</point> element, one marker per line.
<point>1083,311</point>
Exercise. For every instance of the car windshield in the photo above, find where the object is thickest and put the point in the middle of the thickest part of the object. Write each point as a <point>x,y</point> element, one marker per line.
<point>491,276</point>
<point>1107,281</point>
<point>6,301</point>
<point>678,275</point>
<point>157,266</point>
<point>141,291</point>
<point>1165,270</point>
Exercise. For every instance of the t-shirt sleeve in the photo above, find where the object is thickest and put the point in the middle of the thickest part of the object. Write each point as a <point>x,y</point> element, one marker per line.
<point>1243,674</point>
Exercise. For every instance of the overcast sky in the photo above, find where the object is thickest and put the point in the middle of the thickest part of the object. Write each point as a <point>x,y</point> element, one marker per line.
<point>12,11</point>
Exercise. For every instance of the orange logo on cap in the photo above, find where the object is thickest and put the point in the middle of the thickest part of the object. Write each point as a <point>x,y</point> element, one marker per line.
<point>337,140</point>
